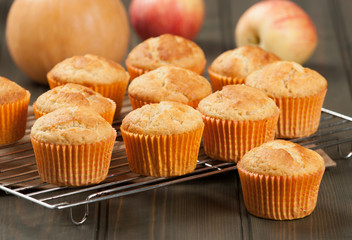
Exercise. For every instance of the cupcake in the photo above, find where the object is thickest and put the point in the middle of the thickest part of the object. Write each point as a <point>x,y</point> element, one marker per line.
<point>280,180</point>
<point>72,146</point>
<point>102,75</point>
<point>233,66</point>
<point>237,119</point>
<point>164,50</point>
<point>73,95</point>
<point>168,83</point>
<point>299,93</point>
<point>13,111</point>
<point>162,139</point>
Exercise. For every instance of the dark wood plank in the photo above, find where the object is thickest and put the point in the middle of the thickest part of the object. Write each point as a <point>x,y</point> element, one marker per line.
<point>201,209</point>
<point>21,219</point>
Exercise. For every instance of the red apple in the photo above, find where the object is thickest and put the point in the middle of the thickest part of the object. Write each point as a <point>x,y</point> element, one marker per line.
<point>280,27</point>
<point>151,18</point>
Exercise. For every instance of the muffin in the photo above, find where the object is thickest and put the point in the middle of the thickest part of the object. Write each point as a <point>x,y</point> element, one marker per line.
<point>233,66</point>
<point>13,111</point>
<point>102,75</point>
<point>72,95</point>
<point>299,93</point>
<point>164,50</point>
<point>162,139</point>
<point>168,83</point>
<point>280,180</point>
<point>237,119</point>
<point>73,146</point>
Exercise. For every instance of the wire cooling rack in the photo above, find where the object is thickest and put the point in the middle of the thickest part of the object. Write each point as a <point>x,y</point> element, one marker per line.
<point>19,175</point>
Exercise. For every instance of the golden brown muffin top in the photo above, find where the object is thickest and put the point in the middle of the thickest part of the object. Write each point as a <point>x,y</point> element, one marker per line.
<point>281,158</point>
<point>11,91</point>
<point>170,83</point>
<point>72,126</point>
<point>287,79</point>
<point>238,103</point>
<point>240,62</point>
<point>164,50</point>
<point>163,118</point>
<point>73,95</point>
<point>88,70</point>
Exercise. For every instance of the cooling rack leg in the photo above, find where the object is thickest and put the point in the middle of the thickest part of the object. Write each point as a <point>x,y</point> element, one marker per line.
<point>343,155</point>
<point>84,218</point>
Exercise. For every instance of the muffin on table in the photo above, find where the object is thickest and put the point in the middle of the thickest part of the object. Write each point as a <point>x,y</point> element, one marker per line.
<point>237,119</point>
<point>164,50</point>
<point>168,83</point>
<point>102,75</point>
<point>73,95</point>
<point>13,111</point>
<point>162,139</point>
<point>73,146</point>
<point>280,180</point>
<point>299,93</point>
<point>233,66</point>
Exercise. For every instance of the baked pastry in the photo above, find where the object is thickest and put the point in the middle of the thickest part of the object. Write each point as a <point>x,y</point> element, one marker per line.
<point>164,50</point>
<point>73,95</point>
<point>280,180</point>
<point>162,139</point>
<point>299,93</point>
<point>73,146</point>
<point>168,83</point>
<point>102,75</point>
<point>13,111</point>
<point>237,119</point>
<point>233,66</point>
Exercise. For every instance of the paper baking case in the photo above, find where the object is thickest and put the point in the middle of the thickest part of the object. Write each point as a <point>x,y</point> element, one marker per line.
<point>73,165</point>
<point>280,197</point>
<point>229,140</point>
<point>162,155</point>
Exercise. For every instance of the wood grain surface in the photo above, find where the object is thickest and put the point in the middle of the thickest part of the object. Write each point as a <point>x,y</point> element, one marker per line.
<point>209,208</point>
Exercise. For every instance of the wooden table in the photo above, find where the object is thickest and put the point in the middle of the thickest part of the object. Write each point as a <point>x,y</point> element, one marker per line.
<point>212,207</point>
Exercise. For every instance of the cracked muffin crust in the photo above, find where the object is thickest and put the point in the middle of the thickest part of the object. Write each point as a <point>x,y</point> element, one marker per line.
<point>287,79</point>
<point>281,158</point>
<point>72,126</point>
<point>164,50</point>
<point>163,118</point>
<point>238,103</point>
<point>88,70</point>
<point>73,95</point>
<point>169,83</point>
<point>233,66</point>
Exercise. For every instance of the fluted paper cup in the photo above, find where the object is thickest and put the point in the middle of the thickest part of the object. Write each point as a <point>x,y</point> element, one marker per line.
<point>299,117</point>
<point>13,120</point>
<point>73,165</point>
<point>280,197</point>
<point>229,140</point>
<point>218,81</point>
<point>162,155</point>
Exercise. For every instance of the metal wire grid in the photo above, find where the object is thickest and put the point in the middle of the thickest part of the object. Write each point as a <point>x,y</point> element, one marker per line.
<point>19,176</point>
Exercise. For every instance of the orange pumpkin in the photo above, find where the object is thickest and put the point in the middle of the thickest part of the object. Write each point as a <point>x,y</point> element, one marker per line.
<point>40,34</point>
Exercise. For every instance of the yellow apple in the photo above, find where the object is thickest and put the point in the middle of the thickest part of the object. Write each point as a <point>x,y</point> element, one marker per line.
<point>280,27</point>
